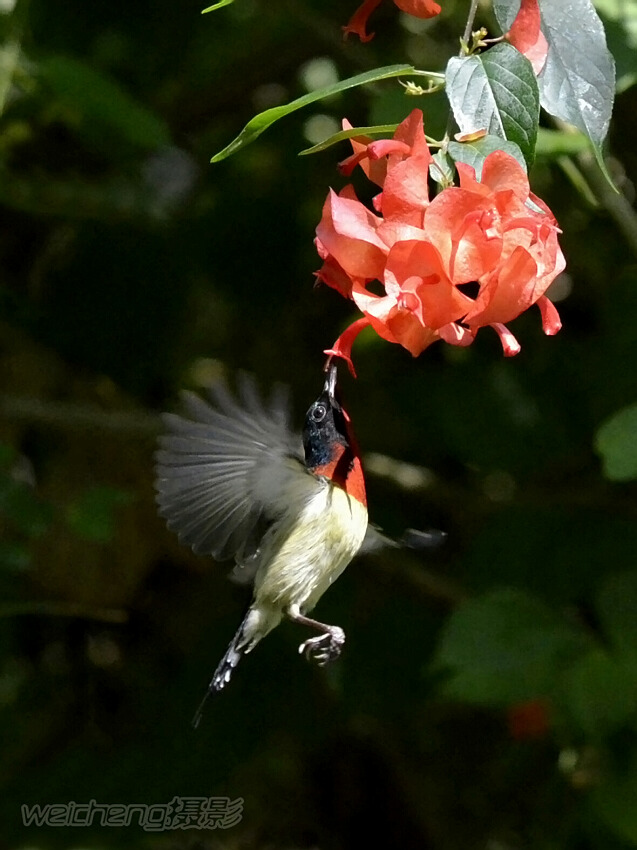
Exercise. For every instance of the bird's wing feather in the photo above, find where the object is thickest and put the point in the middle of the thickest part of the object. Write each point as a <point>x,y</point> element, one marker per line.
<point>220,470</point>
<point>412,538</point>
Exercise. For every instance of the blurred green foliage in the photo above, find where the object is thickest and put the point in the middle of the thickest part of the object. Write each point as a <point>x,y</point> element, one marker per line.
<point>132,268</point>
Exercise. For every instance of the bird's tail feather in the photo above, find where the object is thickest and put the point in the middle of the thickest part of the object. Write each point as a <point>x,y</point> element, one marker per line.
<point>239,645</point>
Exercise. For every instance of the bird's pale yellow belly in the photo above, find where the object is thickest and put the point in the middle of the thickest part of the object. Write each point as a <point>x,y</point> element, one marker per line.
<point>315,549</point>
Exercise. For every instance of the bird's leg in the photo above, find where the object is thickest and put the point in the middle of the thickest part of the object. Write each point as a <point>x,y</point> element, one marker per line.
<point>323,648</point>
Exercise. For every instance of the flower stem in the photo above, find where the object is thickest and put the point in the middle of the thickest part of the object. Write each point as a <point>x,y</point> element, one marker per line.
<point>465,40</point>
<point>470,21</point>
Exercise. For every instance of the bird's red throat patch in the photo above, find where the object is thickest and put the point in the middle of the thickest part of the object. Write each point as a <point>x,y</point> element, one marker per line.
<point>346,471</point>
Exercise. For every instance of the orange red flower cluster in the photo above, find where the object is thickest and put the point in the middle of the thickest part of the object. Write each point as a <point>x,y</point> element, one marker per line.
<point>358,22</point>
<point>476,254</point>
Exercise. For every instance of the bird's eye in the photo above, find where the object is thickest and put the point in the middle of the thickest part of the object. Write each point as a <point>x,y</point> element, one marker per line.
<point>319,412</point>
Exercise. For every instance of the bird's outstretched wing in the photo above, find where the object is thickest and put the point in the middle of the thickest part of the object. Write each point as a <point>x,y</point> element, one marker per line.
<point>219,470</point>
<point>375,541</point>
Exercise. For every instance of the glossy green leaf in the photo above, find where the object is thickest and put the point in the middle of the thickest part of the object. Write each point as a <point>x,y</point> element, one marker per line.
<point>496,91</point>
<point>577,83</point>
<point>263,120</point>
<point>616,442</point>
<point>354,132</point>
<point>475,153</point>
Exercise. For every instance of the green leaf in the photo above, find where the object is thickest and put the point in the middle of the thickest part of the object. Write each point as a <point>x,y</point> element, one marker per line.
<point>577,83</point>
<point>497,92</point>
<point>263,120</point>
<point>378,130</point>
<point>601,692</point>
<point>92,517</point>
<point>554,143</point>
<point>617,610</point>
<point>505,647</point>
<point>101,102</point>
<point>616,442</point>
<point>216,6</point>
<point>475,153</point>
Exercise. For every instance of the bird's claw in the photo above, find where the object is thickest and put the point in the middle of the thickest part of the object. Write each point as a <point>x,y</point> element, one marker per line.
<point>324,648</point>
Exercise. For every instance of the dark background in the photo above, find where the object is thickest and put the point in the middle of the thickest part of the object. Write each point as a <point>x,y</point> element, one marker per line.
<point>487,697</point>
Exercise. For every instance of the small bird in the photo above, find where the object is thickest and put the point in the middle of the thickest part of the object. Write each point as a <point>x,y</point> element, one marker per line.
<point>234,482</point>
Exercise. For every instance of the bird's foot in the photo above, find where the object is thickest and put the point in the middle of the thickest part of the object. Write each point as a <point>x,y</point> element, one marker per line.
<point>324,648</point>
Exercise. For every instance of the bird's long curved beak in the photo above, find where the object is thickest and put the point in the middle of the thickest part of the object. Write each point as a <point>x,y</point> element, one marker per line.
<point>330,381</point>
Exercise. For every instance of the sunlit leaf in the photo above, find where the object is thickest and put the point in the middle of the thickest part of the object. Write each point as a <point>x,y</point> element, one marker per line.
<point>496,91</point>
<point>352,133</point>
<point>216,6</point>
<point>577,83</point>
<point>263,120</point>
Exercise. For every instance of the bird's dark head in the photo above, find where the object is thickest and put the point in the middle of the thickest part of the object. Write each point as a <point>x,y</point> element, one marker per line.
<point>326,434</point>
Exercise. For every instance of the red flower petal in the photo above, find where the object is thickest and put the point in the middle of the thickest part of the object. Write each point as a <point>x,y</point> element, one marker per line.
<point>502,172</point>
<point>491,232</point>
<point>419,8</point>
<point>456,334</point>
<point>343,345</point>
<point>526,34</point>
<point>358,22</point>
<point>332,274</point>
<point>393,323</point>
<point>347,231</point>
<point>415,269</point>
<point>551,322</point>
<point>466,230</point>
<point>510,345</point>
<point>375,170</point>
<point>507,292</point>
<point>409,332</point>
